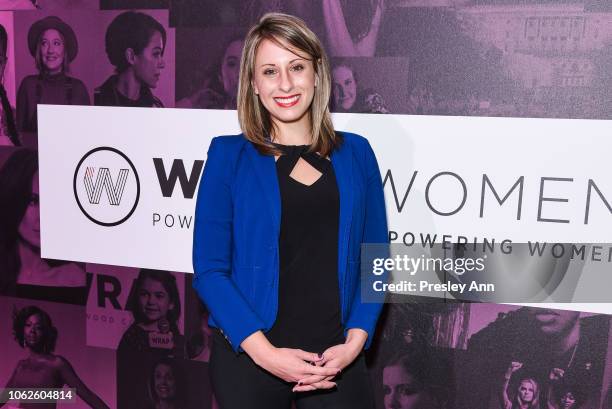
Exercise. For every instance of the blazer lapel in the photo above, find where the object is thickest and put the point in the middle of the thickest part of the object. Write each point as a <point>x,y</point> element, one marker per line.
<point>342,161</point>
<point>265,169</point>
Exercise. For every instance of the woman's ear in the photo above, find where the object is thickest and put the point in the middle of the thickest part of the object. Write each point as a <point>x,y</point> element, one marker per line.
<point>255,89</point>
<point>130,56</point>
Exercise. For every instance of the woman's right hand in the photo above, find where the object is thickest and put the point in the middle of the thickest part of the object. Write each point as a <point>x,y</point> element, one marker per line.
<point>289,364</point>
<point>292,365</point>
<point>514,366</point>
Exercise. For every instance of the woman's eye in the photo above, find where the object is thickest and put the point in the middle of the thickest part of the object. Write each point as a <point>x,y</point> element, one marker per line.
<point>407,390</point>
<point>298,67</point>
<point>269,72</point>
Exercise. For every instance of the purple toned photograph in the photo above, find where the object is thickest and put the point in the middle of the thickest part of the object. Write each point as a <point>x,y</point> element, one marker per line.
<point>44,347</point>
<point>136,310</point>
<point>533,357</point>
<point>135,44</point>
<point>208,69</point>
<point>361,85</point>
<point>151,383</point>
<point>77,57</point>
<point>8,127</point>
<point>24,273</point>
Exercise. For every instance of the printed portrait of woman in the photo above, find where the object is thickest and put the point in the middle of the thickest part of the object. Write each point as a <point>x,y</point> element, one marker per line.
<point>33,330</point>
<point>135,45</point>
<point>525,396</point>
<point>166,386</point>
<point>156,308</point>
<point>407,384</point>
<point>220,87</point>
<point>8,127</point>
<point>24,273</point>
<point>348,96</point>
<point>53,44</point>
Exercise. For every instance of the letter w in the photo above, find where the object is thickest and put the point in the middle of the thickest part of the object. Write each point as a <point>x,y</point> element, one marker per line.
<point>105,181</point>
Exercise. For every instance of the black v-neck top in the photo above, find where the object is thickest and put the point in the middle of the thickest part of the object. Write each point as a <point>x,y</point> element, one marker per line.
<point>308,314</point>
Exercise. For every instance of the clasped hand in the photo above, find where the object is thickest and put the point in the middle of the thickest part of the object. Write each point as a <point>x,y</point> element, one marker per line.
<point>307,369</point>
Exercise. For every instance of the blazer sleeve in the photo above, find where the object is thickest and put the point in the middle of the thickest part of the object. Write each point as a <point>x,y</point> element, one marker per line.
<point>365,315</point>
<point>212,249</point>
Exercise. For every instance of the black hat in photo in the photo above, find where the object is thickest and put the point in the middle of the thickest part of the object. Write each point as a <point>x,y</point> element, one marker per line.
<point>54,22</point>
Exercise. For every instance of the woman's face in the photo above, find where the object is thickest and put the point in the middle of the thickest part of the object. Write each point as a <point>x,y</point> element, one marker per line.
<point>154,300</point>
<point>345,87</point>
<point>401,389</point>
<point>33,331</point>
<point>284,81</point>
<point>52,50</point>
<point>165,384</point>
<point>29,228</point>
<point>150,62</point>
<point>526,391</point>
<point>230,68</point>
<point>568,401</point>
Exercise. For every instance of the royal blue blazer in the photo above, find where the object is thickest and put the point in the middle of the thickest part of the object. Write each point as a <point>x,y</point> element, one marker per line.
<point>237,227</point>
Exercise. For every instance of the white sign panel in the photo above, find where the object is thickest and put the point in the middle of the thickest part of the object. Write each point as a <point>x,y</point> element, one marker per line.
<point>118,184</point>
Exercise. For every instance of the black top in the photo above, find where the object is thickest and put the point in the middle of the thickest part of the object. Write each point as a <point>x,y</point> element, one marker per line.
<point>107,95</point>
<point>308,314</point>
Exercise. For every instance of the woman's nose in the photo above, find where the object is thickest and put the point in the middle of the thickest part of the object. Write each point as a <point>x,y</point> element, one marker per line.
<point>286,83</point>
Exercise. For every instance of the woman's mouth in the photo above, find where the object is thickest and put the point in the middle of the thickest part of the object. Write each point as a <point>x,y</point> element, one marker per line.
<point>287,102</point>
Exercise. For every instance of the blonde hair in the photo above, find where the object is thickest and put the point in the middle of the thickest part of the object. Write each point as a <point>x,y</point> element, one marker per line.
<point>292,34</point>
<point>535,402</point>
<point>40,65</point>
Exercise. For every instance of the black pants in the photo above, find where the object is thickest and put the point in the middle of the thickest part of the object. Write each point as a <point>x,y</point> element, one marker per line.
<point>238,383</point>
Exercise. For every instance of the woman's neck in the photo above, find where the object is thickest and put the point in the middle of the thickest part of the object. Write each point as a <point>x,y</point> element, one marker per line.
<point>128,85</point>
<point>30,257</point>
<point>293,133</point>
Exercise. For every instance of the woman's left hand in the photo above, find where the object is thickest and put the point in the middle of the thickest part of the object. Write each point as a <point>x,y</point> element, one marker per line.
<point>337,356</point>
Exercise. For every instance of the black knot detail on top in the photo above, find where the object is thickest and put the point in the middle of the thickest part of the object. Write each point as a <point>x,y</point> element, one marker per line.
<point>292,153</point>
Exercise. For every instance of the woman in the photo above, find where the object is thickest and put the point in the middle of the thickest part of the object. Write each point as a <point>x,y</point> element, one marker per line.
<point>54,46</point>
<point>221,87</point>
<point>135,45</point>
<point>156,307</point>
<point>8,127</point>
<point>281,213</point>
<point>527,394</point>
<point>24,272</point>
<point>407,384</point>
<point>348,97</point>
<point>34,332</point>
<point>562,395</point>
<point>165,386</point>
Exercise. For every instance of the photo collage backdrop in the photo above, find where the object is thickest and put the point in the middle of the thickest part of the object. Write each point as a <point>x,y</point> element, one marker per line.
<point>527,58</point>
